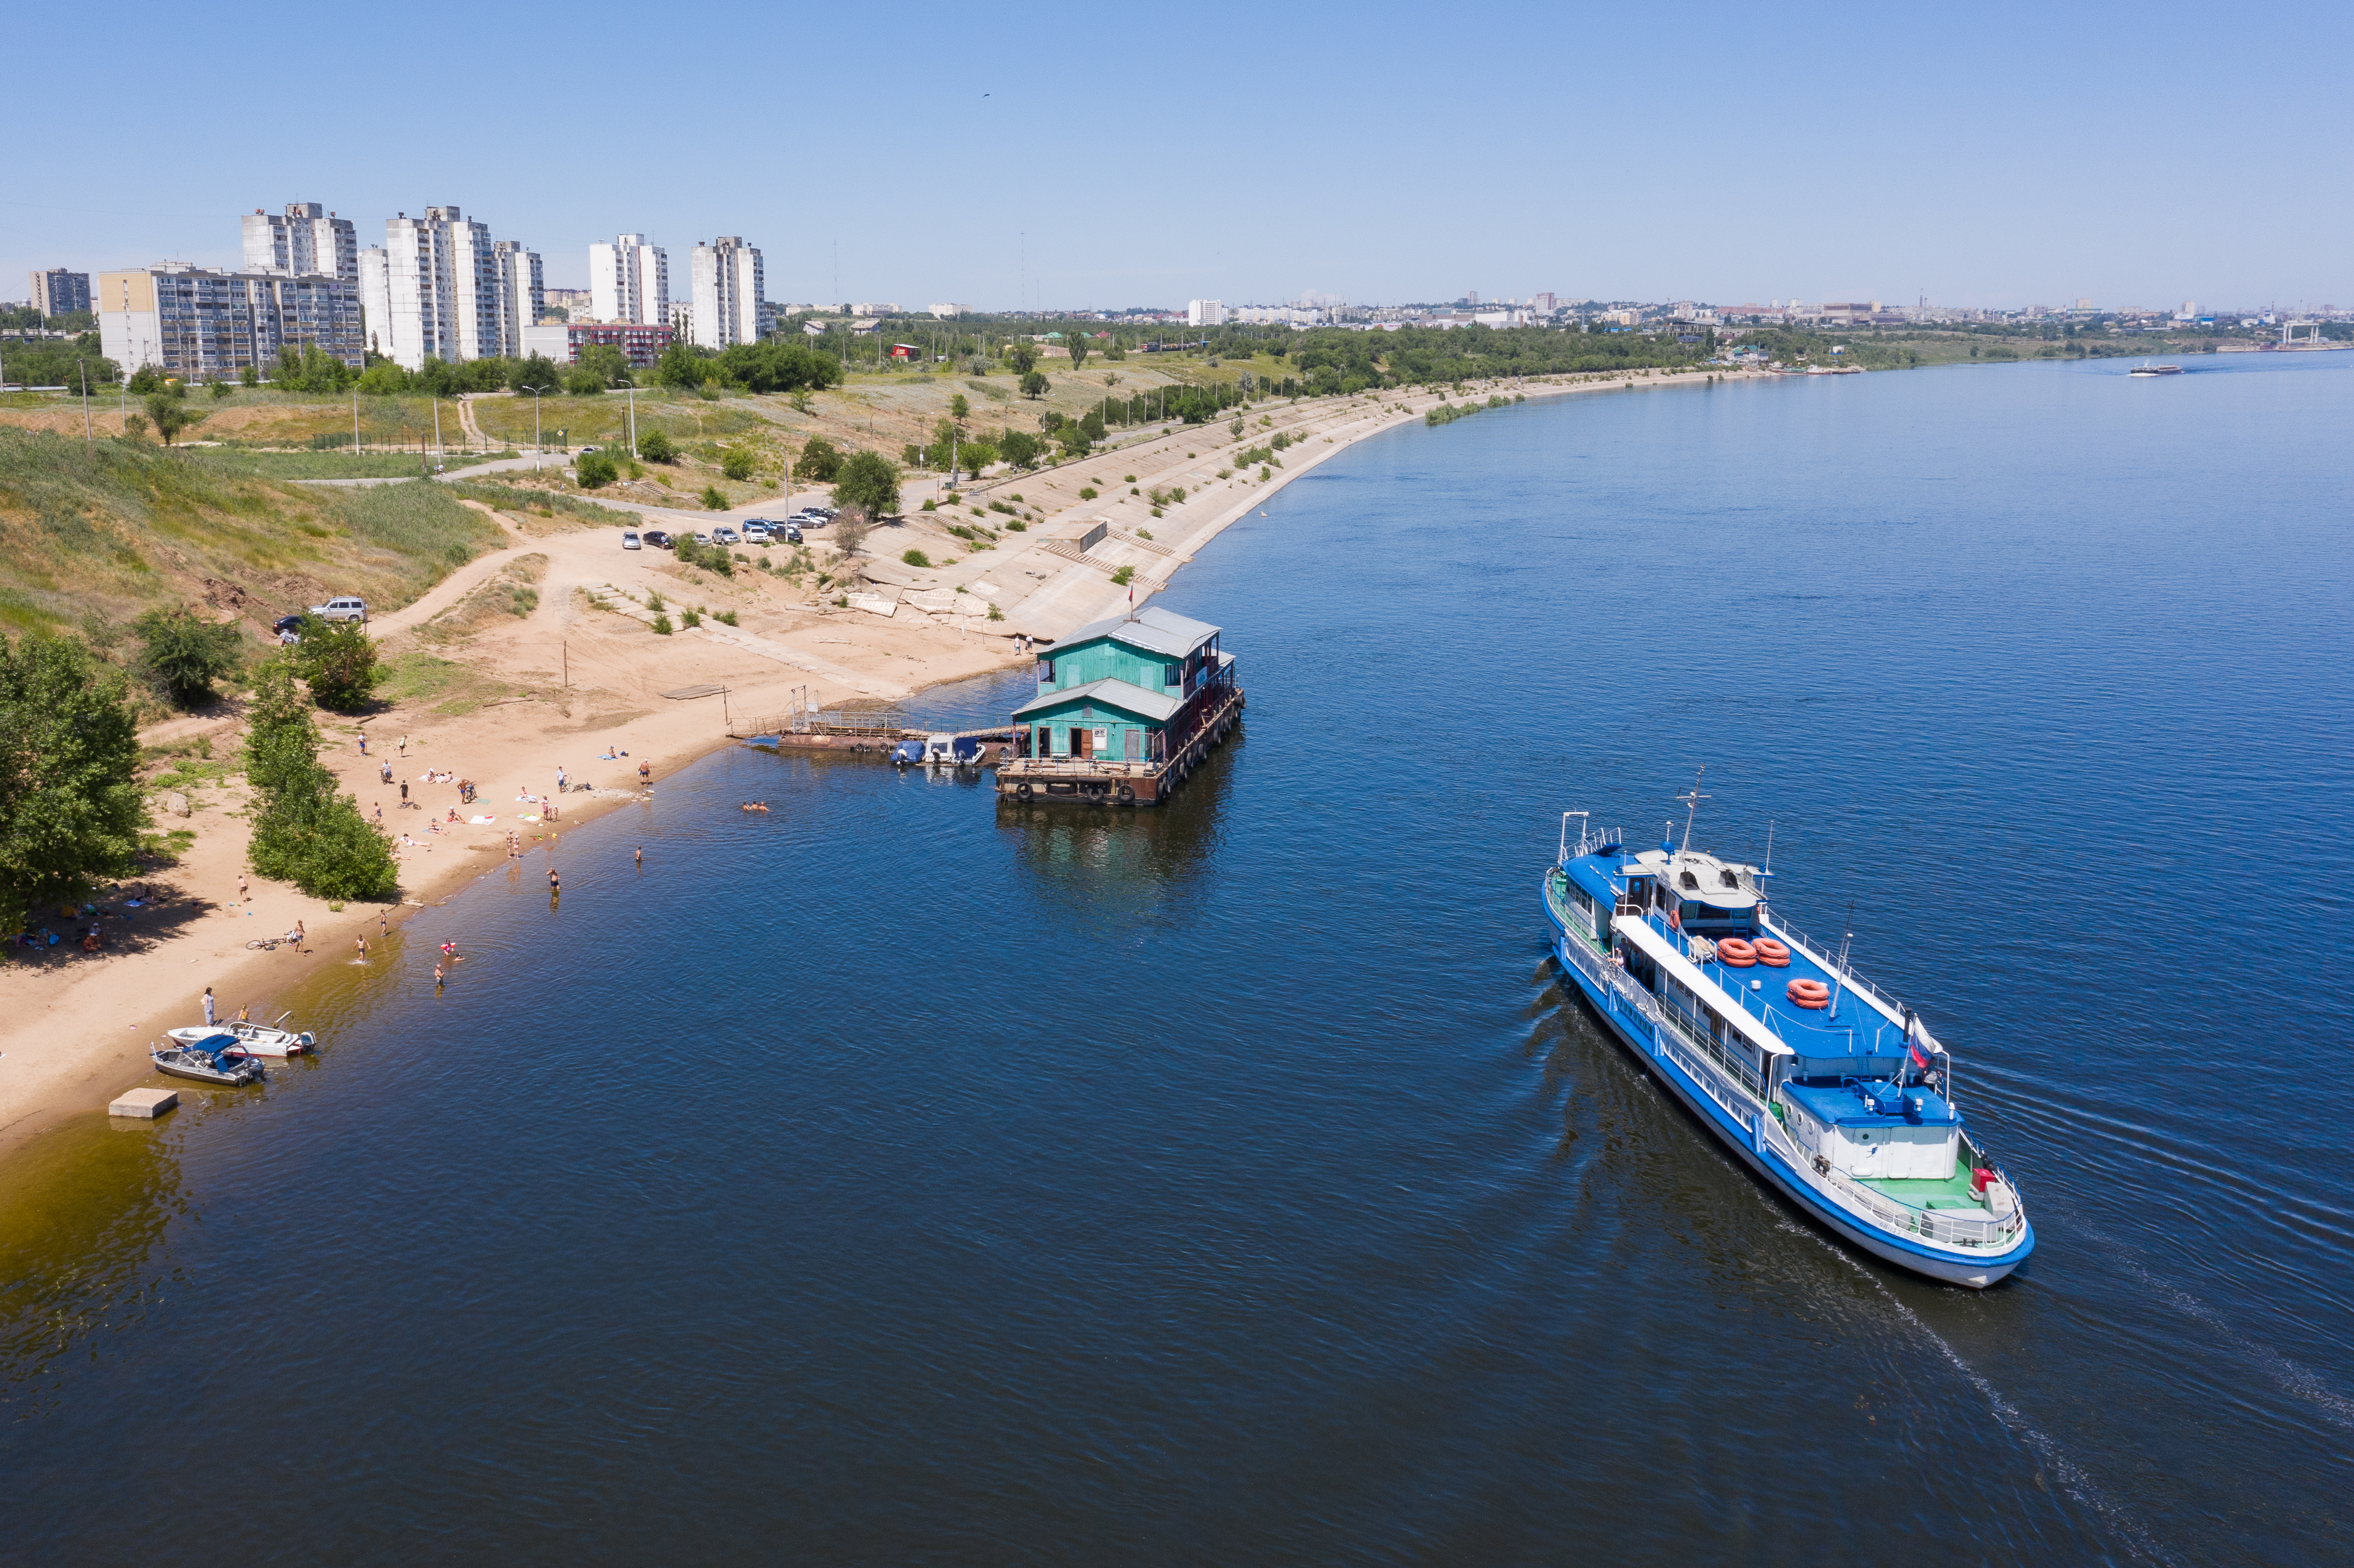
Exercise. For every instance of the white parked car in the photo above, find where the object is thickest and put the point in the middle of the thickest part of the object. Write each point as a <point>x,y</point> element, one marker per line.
<point>630,540</point>
<point>342,609</point>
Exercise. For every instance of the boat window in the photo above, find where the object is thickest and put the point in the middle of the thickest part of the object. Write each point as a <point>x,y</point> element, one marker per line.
<point>1692,882</point>
<point>1728,879</point>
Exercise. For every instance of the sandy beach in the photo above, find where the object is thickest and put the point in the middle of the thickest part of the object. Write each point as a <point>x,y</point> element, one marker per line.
<point>577,680</point>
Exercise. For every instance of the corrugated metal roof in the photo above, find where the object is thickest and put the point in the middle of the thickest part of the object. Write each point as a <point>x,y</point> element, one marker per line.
<point>1111,692</point>
<point>1155,630</point>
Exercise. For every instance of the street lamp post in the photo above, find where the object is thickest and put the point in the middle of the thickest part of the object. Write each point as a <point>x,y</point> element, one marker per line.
<point>534,392</point>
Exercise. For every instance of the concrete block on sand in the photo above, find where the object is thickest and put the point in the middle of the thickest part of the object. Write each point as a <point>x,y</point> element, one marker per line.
<point>148,1104</point>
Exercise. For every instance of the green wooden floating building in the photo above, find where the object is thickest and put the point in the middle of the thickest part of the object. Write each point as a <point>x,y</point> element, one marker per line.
<point>1125,709</point>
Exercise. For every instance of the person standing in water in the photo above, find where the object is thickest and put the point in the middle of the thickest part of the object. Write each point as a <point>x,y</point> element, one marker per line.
<point>361,943</point>
<point>438,978</point>
<point>641,857</point>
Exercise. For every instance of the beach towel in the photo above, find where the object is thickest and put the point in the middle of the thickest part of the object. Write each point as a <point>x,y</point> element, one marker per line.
<point>528,817</point>
<point>481,822</point>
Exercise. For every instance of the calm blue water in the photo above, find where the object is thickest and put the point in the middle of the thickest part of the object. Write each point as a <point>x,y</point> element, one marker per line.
<point>899,1177</point>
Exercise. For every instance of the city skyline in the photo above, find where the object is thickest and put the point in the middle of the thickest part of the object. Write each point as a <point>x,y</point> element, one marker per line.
<point>1829,152</point>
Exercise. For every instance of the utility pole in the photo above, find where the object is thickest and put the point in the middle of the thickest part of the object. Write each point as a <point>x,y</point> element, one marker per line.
<point>83,366</point>
<point>355,418</point>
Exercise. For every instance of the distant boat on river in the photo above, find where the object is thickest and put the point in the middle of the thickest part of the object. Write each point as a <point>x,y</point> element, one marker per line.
<point>2146,368</point>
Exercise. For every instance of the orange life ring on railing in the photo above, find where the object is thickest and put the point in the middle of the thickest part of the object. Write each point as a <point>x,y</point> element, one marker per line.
<point>1675,920</point>
<point>1809,993</point>
<point>1733,950</point>
<point>1770,951</point>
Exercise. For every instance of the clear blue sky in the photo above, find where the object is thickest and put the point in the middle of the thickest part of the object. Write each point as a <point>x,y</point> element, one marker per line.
<point>1998,155</point>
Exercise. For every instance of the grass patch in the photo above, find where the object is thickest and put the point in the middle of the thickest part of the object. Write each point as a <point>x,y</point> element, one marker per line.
<point>243,463</point>
<point>449,687</point>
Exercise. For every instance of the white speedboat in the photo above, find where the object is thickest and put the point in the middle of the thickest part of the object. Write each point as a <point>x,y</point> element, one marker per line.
<point>256,1039</point>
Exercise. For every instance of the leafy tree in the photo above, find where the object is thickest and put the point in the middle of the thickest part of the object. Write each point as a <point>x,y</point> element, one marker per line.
<point>1077,343</point>
<point>338,659</point>
<point>384,378</point>
<point>69,807</point>
<point>582,382</point>
<point>870,482</point>
<point>217,388</point>
<point>135,426</point>
<point>596,470</point>
<point>713,500</point>
<point>249,375</point>
<point>1024,358</point>
<point>533,370</point>
<point>168,414</point>
<point>683,366</point>
<point>310,368</point>
<point>655,447</point>
<point>819,461</point>
<point>303,831</point>
<point>1034,384</point>
<point>1019,448</point>
<point>1234,427</point>
<point>959,409</point>
<point>610,364</point>
<point>184,653</point>
<point>737,463</point>
<point>774,366</point>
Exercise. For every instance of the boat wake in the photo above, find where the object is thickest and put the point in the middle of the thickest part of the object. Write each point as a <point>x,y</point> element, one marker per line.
<point>2072,1476</point>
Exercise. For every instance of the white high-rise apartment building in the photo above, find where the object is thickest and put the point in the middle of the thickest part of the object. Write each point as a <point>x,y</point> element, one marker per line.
<point>306,240</point>
<point>728,291</point>
<point>629,280</point>
<point>1204,312</point>
<point>441,288</point>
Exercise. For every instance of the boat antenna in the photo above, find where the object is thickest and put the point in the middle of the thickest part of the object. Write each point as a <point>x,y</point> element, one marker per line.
<point>1769,846</point>
<point>1839,981</point>
<point>1691,799</point>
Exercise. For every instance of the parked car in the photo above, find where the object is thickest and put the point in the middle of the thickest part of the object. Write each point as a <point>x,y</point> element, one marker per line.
<point>288,628</point>
<point>756,530</point>
<point>724,535</point>
<point>586,451</point>
<point>657,540</point>
<point>346,608</point>
<point>702,538</point>
<point>789,532</point>
<point>630,539</point>
<point>809,517</point>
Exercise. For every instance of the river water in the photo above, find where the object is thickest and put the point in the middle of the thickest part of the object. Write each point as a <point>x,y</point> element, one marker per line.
<point>899,1177</point>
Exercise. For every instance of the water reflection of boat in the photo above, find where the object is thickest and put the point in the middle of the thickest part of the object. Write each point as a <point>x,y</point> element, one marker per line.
<point>218,1058</point>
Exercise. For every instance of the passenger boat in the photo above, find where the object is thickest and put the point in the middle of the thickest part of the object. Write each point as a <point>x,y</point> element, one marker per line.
<point>1830,1091</point>
<point>256,1039</point>
<point>2146,368</point>
<point>218,1058</point>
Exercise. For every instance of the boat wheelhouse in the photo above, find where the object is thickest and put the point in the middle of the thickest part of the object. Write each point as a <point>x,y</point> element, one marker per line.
<point>1125,709</point>
<point>1831,1091</point>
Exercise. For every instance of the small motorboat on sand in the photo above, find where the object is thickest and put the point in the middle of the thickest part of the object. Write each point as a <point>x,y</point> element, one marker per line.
<point>258,1039</point>
<point>218,1058</point>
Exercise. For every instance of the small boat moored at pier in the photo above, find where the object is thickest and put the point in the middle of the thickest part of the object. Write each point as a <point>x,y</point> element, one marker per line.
<point>1828,1090</point>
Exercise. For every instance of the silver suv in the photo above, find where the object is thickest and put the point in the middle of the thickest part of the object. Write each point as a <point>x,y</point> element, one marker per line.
<point>344,609</point>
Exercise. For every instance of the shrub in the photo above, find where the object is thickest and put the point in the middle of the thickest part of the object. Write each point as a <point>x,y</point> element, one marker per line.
<point>596,470</point>
<point>662,626</point>
<point>690,618</point>
<point>338,659</point>
<point>736,463</point>
<point>726,618</point>
<point>654,602</point>
<point>1123,576</point>
<point>1088,493</point>
<point>655,447</point>
<point>70,812</point>
<point>303,831</point>
<point>712,499</point>
<point>1017,527</point>
<point>1144,533</point>
<point>917,559</point>
<point>183,653</point>
<point>995,613</point>
<point>1128,479</point>
<point>928,506</point>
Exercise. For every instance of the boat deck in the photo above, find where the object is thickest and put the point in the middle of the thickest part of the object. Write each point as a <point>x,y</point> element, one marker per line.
<point>1952,1193</point>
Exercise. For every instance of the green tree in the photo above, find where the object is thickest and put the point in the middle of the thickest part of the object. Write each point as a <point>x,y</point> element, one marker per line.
<point>135,425</point>
<point>338,659</point>
<point>819,461</point>
<point>737,463</point>
<point>1019,448</point>
<point>1024,358</point>
<point>184,653</point>
<point>169,414</point>
<point>870,482</point>
<point>1034,384</point>
<point>655,447</point>
<point>303,831</point>
<point>1077,343</point>
<point>713,500</point>
<point>533,370</point>
<point>609,363</point>
<point>582,382</point>
<point>681,366</point>
<point>596,470</point>
<point>959,409</point>
<point>69,807</point>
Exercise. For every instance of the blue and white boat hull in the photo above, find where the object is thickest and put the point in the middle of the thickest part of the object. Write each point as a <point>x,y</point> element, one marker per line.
<point>1753,1133</point>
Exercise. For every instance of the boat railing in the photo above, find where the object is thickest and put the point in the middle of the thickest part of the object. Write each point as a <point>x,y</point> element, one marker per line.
<point>1830,966</point>
<point>1947,1227</point>
<point>1573,916</point>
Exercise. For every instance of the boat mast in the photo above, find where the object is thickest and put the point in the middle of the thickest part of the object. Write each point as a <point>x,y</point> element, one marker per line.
<point>1691,799</point>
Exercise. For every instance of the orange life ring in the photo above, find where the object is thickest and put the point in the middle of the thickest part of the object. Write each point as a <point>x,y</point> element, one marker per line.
<point>1809,992</point>
<point>1770,951</point>
<point>1733,950</point>
<point>1675,920</point>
